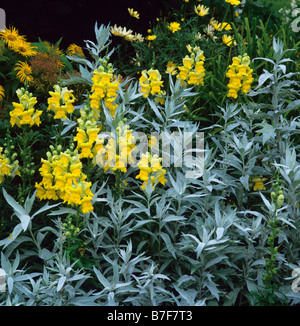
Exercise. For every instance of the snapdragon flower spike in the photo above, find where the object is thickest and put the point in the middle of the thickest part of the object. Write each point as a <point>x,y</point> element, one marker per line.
<point>192,71</point>
<point>240,76</point>
<point>105,87</point>
<point>63,179</point>
<point>24,112</point>
<point>116,154</point>
<point>8,167</point>
<point>61,102</point>
<point>150,82</point>
<point>87,133</point>
<point>151,170</point>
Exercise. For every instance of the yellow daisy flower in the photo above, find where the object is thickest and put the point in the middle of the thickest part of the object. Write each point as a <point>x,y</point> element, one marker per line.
<point>174,27</point>
<point>201,10</point>
<point>11,36</point>
<point>151,37</point>
<point>133,13</point>
<point>227,39</point>
<point>75,49</point>
<point>24,72</point>
<point>2,93</point>
<point>24,48</point>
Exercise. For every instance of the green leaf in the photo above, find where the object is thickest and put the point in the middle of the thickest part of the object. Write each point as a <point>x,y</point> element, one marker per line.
<point>268,131</point>
<point>168,243</point>
<point>17,208</point>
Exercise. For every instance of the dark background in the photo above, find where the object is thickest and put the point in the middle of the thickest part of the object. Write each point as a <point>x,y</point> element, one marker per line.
<point>75,20</point>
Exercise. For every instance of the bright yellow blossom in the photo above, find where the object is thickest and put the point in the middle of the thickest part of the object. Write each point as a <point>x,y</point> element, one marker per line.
<point>240,76</point>
<point>61,102</point>
<point>150,82</point>
<point>2,93</point>
<point>11,36</point>
<point>233,2</point>
<point>201,10</point>
<point>24,48</point>
<point>24,112</point>
<point>227,39</point>
<point>133,13</point>
<point>174,27</point>
<point>62,178</point>
<point>151,37</point>
<point>192,72</point>
<point>24,72</point>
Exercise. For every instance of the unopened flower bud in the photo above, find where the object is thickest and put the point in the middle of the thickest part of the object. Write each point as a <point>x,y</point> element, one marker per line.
<point>280,200</point>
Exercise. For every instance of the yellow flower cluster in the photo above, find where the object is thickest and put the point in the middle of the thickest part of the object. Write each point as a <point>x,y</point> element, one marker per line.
<point>150,82</point>
<point>220,26</point>
<point>127,35</point>
<point>24,112</point>
<point>174,27</point>
<point>7,168</point>
<point>61,102</point>
<point>151,170</point>
<point>240,75</point>
<point>123,144</point>
<point>233,2</point>
<point>87,134</point>
<point>105,86</point>
<point>171,68</point>
<point>257,182</point>
<point>63,179</point>
<point>74,49</point>
<point>17,42</point>
<point>192,72</point>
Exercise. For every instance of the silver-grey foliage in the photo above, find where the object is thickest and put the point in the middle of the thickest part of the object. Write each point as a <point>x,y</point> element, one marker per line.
<point>194,241</point>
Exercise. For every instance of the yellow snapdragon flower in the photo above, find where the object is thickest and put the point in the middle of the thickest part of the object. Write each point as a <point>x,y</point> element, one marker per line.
<point>151,170</point>
<point>87,133</point>
<point>62,178</point>
<point>117,153</point>
<point>150,82</point>
<point>24,112</point>
<point>240,76</point>
<point>8,167</point>
<point>61,102</point>
<point>104,88</point>
<point>192,72</point>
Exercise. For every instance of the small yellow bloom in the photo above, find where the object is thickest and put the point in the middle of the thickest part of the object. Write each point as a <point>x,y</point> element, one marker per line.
<point>171,68</point>
<point>233,2</point>
<point>201,10</point>
<point>227,39</point>
<point>133,13</point>
<point>75,49</point>
<point>174,27</point>
<point>86,205</point>
<point>151,37</point>
<point>259,186</point>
